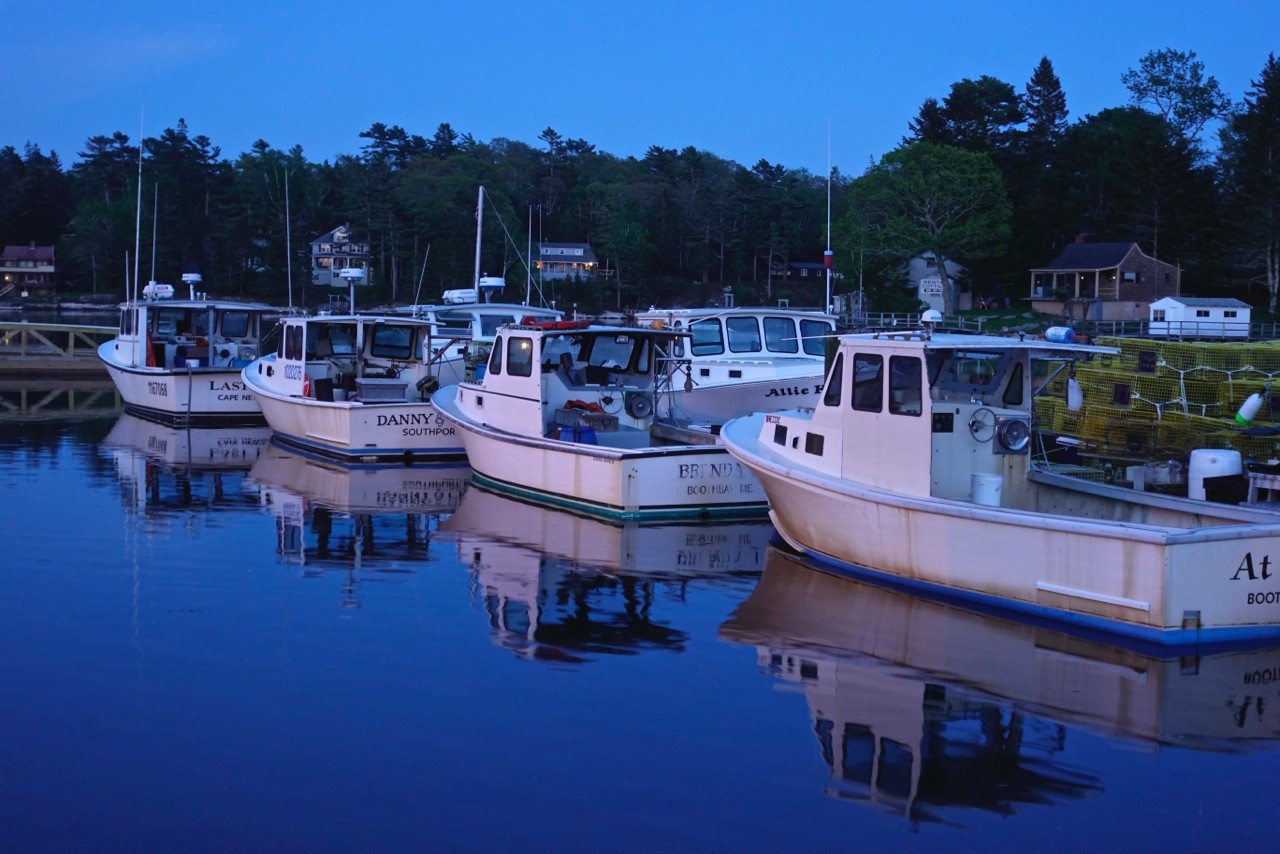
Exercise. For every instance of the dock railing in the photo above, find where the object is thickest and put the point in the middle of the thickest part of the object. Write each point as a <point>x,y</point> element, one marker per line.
<point>51,347</point>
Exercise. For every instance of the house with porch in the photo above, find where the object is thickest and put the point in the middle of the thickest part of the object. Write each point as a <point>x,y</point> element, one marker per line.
<point>565,260</point>
<point>335,251</point>
<point>1103,281</point>
<point>28,271</point>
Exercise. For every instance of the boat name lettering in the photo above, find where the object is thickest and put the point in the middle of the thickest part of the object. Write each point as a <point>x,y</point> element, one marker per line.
<point>158,389</point>
<point>293,372</point>
<point>792,390</point>
<point>232,385</point>
<point>409,419</point>
<point>1265,676</point>
<point>427,431</point>
<point>1246,566</point>
<point>1271,597</point>
<point>691,471</point>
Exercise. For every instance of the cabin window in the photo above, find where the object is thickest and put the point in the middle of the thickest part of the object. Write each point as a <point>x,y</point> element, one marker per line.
<point>126,322</point>
<point>169,323</point>
<point>235,324</point>
<point>1013,391</point>
<point>780,335</point>
<point>519,356</point>
<point>201,323</point>
<point>868,382</point>
<point>814,333</point>
<point>392,342</point>
<point>708,338</point>
<point>293,343</point>
<point>813,443</point>
<point>904,385</point>
<point>495,358</point>
<point>835,379</point>
<point>744,335</point>
<point>490,323</point>
<point>273,341</point>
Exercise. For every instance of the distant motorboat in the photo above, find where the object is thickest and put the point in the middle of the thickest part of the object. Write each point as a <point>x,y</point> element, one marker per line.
<point>743,360</point>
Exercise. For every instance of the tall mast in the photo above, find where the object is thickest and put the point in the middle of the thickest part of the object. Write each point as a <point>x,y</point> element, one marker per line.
<point>479,220</point>
<point>288,248</point>
<point>137,225</point>
<point>827,258</point>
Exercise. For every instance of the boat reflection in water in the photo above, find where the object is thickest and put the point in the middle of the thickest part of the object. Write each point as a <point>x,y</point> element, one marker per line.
<point>919,705</point>
<point>558,586</point>
<point>354,518</point>
<point>164,468</point>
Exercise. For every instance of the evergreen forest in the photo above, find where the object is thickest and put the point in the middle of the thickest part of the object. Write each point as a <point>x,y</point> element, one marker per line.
<point>994,176</point>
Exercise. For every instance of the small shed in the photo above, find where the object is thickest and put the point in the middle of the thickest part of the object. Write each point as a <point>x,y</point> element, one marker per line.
<point>1200,317</point>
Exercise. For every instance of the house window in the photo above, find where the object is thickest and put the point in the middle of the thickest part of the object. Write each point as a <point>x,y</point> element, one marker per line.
<point>1129,277</point>
<point>1157,315</point>
<point>1202,312</point>
<point>1229,313</point>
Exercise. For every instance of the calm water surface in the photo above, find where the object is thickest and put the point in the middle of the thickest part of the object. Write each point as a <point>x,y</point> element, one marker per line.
<point>211,642</point>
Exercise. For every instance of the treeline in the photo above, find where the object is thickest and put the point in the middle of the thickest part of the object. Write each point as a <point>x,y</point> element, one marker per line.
<point>992,177</point>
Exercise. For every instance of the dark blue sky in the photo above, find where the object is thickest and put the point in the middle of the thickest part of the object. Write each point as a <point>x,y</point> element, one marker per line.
<point>744,80</point>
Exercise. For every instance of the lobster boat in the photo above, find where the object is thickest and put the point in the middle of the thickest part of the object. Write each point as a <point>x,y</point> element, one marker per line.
<point>920,465</point>
<point>563,413</point>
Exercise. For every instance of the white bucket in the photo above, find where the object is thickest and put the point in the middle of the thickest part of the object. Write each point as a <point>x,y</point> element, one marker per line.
<point>1210,462</point>
<point>985,488</point>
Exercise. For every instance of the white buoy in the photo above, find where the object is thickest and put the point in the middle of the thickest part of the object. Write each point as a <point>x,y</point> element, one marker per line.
<point>1249,409</point>
<point>1075,395</point>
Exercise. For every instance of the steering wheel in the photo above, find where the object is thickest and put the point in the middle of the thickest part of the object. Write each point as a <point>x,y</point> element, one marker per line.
<point>611,401</point>
<point>982,424</point>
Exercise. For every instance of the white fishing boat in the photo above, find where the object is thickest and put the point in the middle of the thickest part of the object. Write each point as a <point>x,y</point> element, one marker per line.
<point>894,684</point>
<point>563,415</point>
<point>357,388</point>
<point>916,467</point>
<point>178,361</point>
<point>743,360</point>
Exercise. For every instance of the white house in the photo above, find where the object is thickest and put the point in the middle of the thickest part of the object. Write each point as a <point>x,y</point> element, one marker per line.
<point>1200,317</point>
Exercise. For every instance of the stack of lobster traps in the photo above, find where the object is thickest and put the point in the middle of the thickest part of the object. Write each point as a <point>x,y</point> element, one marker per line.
<point>1159,400</point>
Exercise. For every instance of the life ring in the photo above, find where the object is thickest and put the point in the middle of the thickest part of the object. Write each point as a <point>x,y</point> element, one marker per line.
<point>639,405</point>
<point>306,385</point>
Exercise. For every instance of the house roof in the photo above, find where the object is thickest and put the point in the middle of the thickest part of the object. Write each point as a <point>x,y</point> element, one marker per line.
<point>552,251</point>
<point>29,253</point>
<point>1207,302</point>
<point>1090,256</point>
<point>328,236</point>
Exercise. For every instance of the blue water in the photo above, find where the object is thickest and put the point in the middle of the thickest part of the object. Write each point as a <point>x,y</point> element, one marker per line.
<point>210,643</point>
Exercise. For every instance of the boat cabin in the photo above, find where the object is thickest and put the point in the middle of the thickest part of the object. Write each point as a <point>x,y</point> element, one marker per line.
<point>942,416</point>
<point>175,334</point>
<point>584,383</point>
<point>362,357</point>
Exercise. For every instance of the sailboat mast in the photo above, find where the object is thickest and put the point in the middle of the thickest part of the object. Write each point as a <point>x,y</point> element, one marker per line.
<point>475,283</point>
<point>137,225</point>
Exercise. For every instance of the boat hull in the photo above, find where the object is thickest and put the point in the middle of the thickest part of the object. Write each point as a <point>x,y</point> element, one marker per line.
<point>1170,585</point>
<point>203,396</point>
<point>353,431</point>
<point>650,483</point>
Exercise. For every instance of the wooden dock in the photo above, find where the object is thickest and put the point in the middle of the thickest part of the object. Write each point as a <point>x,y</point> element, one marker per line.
<point>52,349</point>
